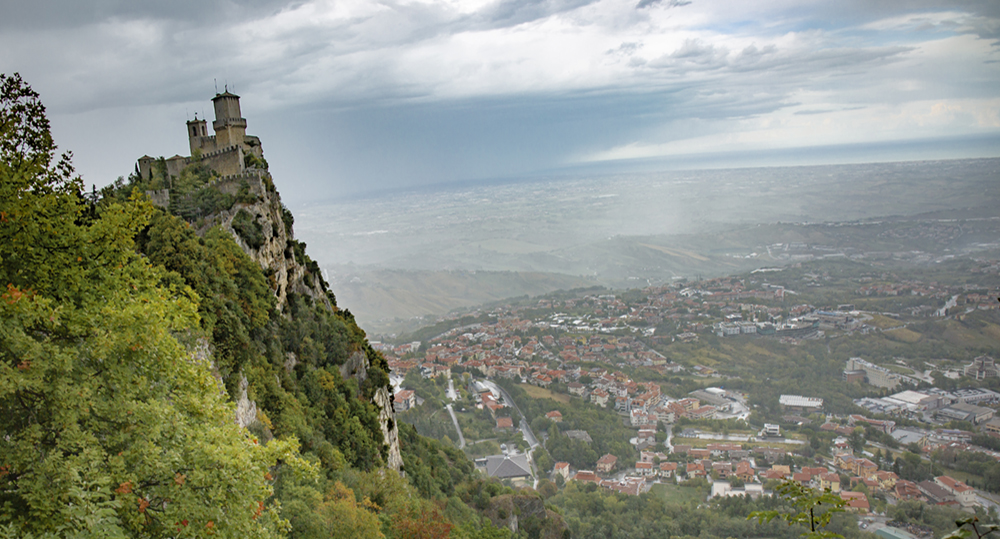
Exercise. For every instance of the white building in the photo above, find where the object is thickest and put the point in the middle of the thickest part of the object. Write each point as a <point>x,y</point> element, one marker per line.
<point>770,430</point>
<point>874,375</point>
<point>798,402</point>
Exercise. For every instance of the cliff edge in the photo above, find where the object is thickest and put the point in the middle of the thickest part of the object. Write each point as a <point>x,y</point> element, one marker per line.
<point>225,183</point>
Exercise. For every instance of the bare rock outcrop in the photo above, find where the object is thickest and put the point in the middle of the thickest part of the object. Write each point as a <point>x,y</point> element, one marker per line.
<point>289,273</point>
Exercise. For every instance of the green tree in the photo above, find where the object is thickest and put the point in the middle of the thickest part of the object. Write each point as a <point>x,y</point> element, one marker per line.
<point>543,460</point>
<point>857,440</point>
<point>815,509</point>
<point>111,427</point>
<point>973,530</point>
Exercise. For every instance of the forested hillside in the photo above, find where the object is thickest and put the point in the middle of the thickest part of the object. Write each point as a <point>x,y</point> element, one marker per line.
<point>173,364</point>
<point>157,381</point>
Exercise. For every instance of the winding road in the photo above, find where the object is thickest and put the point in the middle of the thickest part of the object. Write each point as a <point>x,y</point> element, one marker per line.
<point>525,428</point>
<point>453,395</point>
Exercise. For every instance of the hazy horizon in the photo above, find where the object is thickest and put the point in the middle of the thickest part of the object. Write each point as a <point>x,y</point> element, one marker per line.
<point>415,252</point>
<point>362,96</point>
<point>908,151</point>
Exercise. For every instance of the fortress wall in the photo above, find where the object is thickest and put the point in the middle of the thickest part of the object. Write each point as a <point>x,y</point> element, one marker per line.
<point>205,144</point>
<point>226,162</point>
<point>176,164</point>
<point>253,177</point>
<point>160,197</point>
<point>145,168</point>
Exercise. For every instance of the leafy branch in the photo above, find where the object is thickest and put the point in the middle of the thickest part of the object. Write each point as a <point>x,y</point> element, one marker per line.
<point>815,509</point>
<point>973,532</point>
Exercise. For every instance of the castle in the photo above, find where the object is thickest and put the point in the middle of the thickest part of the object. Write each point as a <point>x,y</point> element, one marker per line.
<point>227,152</point>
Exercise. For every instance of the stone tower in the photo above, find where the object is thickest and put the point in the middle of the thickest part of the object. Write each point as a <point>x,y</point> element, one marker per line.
<point>196,130</point>
<point>225,152</point>
<point>229,125</point>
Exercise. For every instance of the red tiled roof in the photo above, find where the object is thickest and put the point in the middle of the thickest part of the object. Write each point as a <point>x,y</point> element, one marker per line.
<point>607,459</point>
<point>587,476</point>
<point>773,474</point>
<point>855,500</point>
<point>953,484</point>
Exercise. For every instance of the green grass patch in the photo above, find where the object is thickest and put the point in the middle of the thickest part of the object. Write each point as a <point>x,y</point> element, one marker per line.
<point>883,322</point>
<point>536,392</point>
<point>678,495</point>
<point>700,443</point>
<point>904,335</point>
<point>898,369</point>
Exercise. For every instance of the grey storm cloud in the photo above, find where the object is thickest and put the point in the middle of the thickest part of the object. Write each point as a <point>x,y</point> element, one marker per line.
<point>627,48</point>
<point>698,55</point>
<point>395,89</point>
<point>506,13</point>
<point>812,112</point>
<point>22,14</point>
<point>671,3</point>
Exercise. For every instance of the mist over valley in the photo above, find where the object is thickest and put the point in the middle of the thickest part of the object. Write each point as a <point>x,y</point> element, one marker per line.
<point>428,251</point>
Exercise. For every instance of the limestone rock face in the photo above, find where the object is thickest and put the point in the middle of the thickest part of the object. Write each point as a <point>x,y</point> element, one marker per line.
<point>289,274</point>
<point>246,409</point>
<point>276,254</point>
<point>357,367</point>
<point>387,418</point>
<point>512,511</point>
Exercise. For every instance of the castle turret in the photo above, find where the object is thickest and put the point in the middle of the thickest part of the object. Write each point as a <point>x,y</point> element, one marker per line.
<point>226,152</point>
<point>230,127</point>
<point>197,131</point>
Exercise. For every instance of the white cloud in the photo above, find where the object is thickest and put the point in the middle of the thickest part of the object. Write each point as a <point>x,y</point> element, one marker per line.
<point>786,129</point>
<point>727,73</point>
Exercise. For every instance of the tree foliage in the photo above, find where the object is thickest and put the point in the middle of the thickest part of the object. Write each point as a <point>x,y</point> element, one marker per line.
<point>235,302</point>
<point>971,528</point>
<point>592,512</point>
<point>814,508</point>
<point>110,426</point>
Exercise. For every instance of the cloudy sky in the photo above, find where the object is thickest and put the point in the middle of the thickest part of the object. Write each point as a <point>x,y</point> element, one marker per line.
<point>351,96</point>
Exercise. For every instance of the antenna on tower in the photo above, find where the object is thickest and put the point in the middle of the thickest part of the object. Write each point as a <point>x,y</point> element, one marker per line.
<point>216,81</point>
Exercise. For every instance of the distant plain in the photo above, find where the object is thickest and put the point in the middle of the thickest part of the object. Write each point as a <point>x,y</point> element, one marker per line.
<point>395,257</point>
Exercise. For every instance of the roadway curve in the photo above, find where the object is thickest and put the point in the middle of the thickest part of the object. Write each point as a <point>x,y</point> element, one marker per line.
<point>525,428</point>
<point>453,395</point>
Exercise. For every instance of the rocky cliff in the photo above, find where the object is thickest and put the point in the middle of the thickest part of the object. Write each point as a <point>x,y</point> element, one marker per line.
<point>263,228</point>
<point>290,270</point>
<point>275,249</point>
<point>525,513</point>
